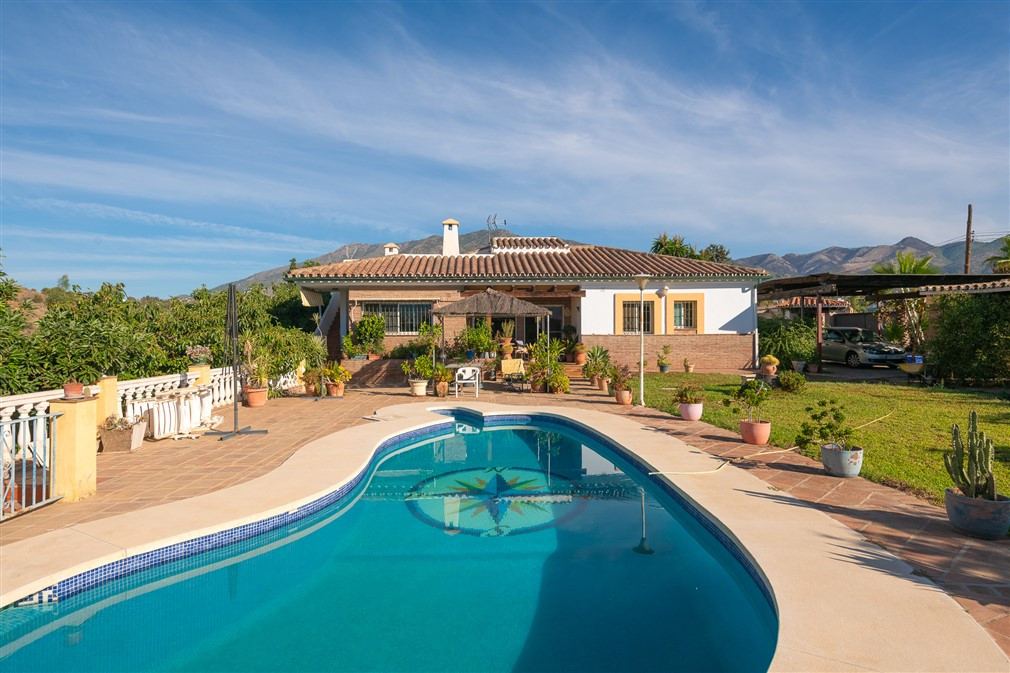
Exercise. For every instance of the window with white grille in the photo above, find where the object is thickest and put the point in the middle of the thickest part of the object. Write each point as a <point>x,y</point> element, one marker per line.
<point>400,318</point>
<point>684,313</point>
<point>630,317</point>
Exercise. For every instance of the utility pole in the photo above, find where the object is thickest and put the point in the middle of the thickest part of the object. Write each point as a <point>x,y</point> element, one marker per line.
<point>967,244</point>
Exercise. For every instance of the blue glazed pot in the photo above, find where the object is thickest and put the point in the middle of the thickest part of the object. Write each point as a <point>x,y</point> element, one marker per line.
<point>470,355</point>
<point>986,519</point>
<point>664,368</point>
<point>841,463</point>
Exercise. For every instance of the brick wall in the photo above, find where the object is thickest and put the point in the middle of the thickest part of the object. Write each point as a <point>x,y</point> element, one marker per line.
<point>375,372</point>
<point>708,352</point>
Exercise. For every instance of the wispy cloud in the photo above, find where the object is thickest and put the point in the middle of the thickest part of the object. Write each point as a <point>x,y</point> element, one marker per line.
<point>775,135</point>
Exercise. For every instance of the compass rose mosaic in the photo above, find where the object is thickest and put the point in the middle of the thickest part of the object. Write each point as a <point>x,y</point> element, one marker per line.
<point>493,501</point>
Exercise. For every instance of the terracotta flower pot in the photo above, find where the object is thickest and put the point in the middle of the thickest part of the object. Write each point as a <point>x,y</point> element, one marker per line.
<point>311,390</point>
<point>594,381</point>
<point>603,383</point>
<point>335,389</point>
<point>580,358</point>
<point>690,412</point>
<point>73,391</point>
<point>755,432</point>
<point>623,397</point>
<point>442,388</point>
<point>255,397</point>
<point>374,356</point>
<point>538,386</point>
<point>570,357</point>
<point>769,370</point>
<point>688,368</point>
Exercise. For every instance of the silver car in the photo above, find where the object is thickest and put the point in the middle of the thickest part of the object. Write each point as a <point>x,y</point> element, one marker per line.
<point>856,347</point>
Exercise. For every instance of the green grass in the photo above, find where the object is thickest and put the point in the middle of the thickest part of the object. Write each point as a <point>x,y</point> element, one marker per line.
<point>904,450</point>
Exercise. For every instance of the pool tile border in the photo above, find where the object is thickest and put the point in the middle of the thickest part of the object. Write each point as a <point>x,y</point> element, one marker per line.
<point>136,563</point>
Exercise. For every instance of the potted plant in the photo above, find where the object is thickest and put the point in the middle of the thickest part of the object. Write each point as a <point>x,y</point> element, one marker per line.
<point>508,329</point>
<point>506,351</point>
<point>827,426</point>
<point>336,377</point>
<point>597,359</point>
<point>121,434</point>
<point>369,334</point>
<point>442,376</point>
<point>418,374</point>
<point>313,379</point>
<point>568,342</point>
<point>544,356</point>
<point>688,367</point>
<point>257,376</point>
<point>769,365</point>
<point>73,389</point>
<point>663,359</point>
<point>691,398</point>
<point>620,378</point>
<point>751,396</point>
<point>976,508</point>
<point>579,350</point>
<point>814,364</point>
<point>558,381</point>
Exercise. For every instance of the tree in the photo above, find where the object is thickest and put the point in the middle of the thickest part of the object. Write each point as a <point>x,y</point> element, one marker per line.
<point>714,252</point>
<point>1000,262</point>
<point>909,311</point>
<point>675,246</point>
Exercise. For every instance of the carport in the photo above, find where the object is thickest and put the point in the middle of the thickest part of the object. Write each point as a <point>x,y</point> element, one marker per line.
<point>877,287</point>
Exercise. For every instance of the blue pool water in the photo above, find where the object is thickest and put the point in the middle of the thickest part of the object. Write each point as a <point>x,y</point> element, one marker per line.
<point>481,549</point>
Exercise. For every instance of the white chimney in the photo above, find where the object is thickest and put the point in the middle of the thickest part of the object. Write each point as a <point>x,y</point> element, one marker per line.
<point>391,249</point>
<point>450,237</point>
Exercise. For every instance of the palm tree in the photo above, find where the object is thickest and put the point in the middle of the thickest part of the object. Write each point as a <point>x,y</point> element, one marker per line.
<point>907,262</point>
<point>675,246</point>
<point>1000,262</point>
<point>911,309</point>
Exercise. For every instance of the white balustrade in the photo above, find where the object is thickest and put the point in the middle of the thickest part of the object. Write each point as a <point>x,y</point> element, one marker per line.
<point>137,395</point>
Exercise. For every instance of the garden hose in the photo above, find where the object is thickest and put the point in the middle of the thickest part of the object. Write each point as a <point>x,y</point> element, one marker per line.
<point>724,463</point>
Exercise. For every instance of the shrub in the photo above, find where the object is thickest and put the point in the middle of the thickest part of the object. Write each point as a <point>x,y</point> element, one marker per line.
<point>689,393</point>
<point>971,340</point>
<point>792,382</point>
<point>787,340</point>
<point>369,333</point>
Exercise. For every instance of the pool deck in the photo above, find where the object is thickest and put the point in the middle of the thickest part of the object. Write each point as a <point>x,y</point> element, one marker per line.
<point>837,571</point>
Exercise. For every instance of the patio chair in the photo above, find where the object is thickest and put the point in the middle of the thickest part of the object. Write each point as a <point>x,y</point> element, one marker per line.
<point>512,373</point>
<point>468,376</point>
<point>521,351</point>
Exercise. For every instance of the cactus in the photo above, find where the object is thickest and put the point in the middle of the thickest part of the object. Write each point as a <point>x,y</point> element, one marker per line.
<point>975,479</point>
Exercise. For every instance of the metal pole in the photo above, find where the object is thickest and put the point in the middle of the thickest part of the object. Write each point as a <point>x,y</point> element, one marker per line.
<point>641,354</point>
<point>967,244</point>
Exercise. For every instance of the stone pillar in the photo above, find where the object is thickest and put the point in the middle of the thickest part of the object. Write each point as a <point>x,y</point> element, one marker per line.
<point>202,372</point>
<point>108,398</point>
<point>75,467</point>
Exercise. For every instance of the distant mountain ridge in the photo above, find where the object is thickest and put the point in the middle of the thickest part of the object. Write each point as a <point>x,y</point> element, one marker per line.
<point>947,258</point>
<point>425,246</point>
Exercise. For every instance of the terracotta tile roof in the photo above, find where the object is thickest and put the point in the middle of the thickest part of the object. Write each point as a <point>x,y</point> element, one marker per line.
<point>520,243</point>
<point>808,302</point>
<point>1002,285</point>
<point>580,261</point>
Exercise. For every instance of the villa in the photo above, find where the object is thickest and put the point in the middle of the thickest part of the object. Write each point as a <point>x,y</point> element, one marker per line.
<point>706,311</point>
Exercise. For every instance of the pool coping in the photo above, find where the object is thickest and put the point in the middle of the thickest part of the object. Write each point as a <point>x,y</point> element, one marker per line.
<point>843,603</point>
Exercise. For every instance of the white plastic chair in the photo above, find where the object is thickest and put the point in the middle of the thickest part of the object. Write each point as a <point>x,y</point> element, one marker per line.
<point>468,376</point>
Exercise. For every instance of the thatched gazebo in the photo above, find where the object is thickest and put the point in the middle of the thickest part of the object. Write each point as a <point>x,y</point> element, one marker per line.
<point>491,303</point>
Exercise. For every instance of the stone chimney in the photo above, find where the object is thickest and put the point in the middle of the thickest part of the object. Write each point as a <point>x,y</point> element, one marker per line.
<point>391,249</point>
<point>450,237</point>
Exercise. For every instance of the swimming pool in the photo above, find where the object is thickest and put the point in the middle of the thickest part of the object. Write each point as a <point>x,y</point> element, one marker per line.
<point>498,548</point>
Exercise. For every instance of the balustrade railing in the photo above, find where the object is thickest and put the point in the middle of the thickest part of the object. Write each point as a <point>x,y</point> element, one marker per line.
<point>137,396</point>
<point>27,454</point>
<point>31,404</point>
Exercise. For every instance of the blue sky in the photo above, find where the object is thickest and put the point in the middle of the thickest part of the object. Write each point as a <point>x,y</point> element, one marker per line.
<point>169,145</point>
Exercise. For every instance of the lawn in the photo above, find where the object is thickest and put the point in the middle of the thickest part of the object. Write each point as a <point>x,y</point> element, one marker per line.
<point>904,450</point>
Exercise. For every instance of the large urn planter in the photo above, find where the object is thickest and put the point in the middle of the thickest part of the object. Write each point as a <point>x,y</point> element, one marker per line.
<point>580,357</point>
<point>839,462</point>
<point>799,365</point>
<point>691,412</point>
<point>335,389</point>
<point>623,397</point>
<point>419,388</point>
<point>755,432</point>
<point>442,388</point>
<point>604,384</point>
<point>985,519</point>
<point>256,397</point>
<point>124,440</point>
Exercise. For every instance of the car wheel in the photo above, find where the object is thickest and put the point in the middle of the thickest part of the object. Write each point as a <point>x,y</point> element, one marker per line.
<point>852,359</point>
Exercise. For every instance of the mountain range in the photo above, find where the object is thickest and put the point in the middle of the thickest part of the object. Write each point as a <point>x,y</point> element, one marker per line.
<point>947,258</point>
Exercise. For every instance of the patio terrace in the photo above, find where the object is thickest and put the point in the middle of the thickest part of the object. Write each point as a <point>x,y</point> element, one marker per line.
<point>976,573</point>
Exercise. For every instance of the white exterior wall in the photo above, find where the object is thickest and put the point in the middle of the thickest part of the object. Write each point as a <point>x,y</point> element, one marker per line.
<point>729,309</point>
